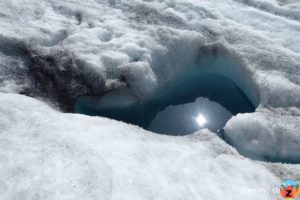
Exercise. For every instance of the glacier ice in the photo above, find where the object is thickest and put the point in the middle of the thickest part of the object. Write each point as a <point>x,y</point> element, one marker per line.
<point>57,51</point>
<point>266,136</point>
<point>51,155</point>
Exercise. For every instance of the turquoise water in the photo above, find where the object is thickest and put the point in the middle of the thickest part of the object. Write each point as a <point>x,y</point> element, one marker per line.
<point>176,109</point>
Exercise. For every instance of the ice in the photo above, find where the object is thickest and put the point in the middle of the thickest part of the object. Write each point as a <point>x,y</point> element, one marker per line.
<point>265,136</point>
<point>59,50</point>
<point>151,43</point>
<point>51,155</point>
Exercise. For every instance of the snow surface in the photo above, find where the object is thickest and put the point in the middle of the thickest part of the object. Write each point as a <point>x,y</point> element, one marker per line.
<point>51,155</point>
<point>272,133</point>
<point>93,46</point>
<point>144,45</point>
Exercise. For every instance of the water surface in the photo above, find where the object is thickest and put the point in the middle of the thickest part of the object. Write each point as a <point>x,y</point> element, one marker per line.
<point>201,101</point>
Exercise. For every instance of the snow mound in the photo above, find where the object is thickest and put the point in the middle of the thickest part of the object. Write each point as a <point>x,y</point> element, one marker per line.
<point>50,155</point>
<point>271,135</point>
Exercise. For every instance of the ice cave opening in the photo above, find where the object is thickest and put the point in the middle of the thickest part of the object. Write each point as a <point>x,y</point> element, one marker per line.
<point>206,100</point>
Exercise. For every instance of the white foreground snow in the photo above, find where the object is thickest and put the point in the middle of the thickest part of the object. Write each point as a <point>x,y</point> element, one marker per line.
<point>49,155</point>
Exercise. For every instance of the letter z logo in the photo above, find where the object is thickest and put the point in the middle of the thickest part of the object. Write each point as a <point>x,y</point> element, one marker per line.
<point>288,193</point>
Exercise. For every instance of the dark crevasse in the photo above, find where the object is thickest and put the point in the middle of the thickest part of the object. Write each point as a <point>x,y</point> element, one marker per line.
<point>205,100</point>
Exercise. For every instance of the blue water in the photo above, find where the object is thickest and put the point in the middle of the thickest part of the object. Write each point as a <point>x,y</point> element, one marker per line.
<point>174,110</point>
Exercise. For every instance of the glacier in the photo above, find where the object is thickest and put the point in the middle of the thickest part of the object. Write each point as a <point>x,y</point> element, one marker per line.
<point>52,155</point>
<point>122,52</point>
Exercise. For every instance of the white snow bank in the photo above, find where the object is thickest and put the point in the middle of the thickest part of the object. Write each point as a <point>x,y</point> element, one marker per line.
<point>278,90</point>
<point>150,43</point>
<point>266,134</point>
<point>47,155</point>
<point>283,8</point>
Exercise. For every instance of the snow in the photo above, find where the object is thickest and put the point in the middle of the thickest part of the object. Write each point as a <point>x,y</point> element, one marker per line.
<point>151,43</point>
<point>51,155</point>
<point>267,134</point>
<point>136,48</point>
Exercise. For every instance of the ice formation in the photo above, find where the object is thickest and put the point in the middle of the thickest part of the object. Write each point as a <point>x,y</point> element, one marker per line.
<point>56,51</point>
<point>173,109</point>
<point>52,155</point>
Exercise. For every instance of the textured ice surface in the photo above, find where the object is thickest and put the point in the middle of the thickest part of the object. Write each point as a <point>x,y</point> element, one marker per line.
<point>50,155</point>
<point>64,49</point>
<point>274,136</point>
<point>146,44</point>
